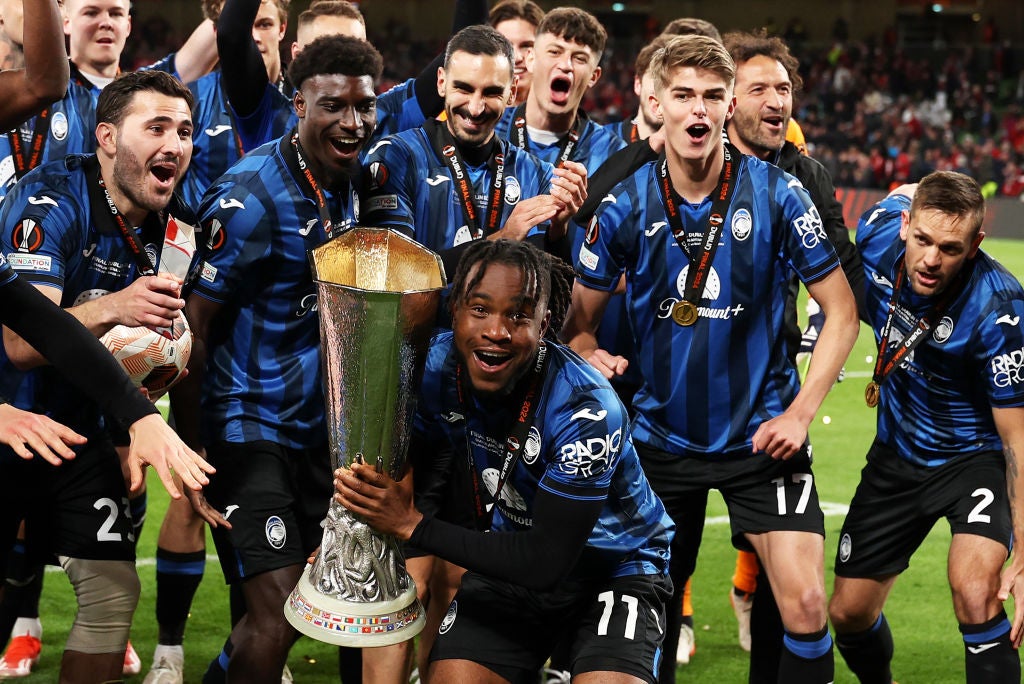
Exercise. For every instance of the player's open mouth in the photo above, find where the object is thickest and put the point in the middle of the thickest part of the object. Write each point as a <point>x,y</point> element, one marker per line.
<point>560,87</point>
<point>773,121</point>
<point>345,145</point>
<point>697,132</point>
<point>164,173</point>
<point>492,360</point>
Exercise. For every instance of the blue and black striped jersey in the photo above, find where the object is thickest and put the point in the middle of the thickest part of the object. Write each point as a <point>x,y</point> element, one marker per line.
<point>709,386</point>
<point>938,403</point>
<point>579,447</point>
<point>263,379</point>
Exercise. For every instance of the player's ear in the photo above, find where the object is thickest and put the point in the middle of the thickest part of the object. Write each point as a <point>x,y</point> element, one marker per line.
<point>546,323</point>
<point>904,224</point>
<point>106,137</point>
<point>299,102</point>
<point>440,81</point>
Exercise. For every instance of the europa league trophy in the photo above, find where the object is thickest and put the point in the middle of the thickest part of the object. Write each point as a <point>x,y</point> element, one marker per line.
<point>378,294</point>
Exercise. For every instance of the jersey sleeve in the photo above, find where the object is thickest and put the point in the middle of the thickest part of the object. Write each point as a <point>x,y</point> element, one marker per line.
<point>604,246</point>
<point>39,235</point>
<point>390,174</point>
<point>585,432</point>
<point>1000,353</point>
<point>398,110</point>
<point>238,227</point>
<point>804,243</point>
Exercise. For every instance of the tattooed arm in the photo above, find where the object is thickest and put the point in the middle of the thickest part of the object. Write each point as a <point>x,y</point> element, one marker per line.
<point>1010,425</point>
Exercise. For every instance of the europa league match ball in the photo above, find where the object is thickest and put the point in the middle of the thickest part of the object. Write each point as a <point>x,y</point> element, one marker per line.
<point>154,360</point>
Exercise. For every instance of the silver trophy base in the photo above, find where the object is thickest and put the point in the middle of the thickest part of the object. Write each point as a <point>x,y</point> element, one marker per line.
<point>348,623</point>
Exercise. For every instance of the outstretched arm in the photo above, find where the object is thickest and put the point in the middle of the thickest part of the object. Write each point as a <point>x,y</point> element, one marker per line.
<point>198,56</point>
<point>25,92</point>
<point>1010,425</point>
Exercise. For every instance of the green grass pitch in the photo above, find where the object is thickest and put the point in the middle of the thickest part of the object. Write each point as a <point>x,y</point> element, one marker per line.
<point>928,645</point>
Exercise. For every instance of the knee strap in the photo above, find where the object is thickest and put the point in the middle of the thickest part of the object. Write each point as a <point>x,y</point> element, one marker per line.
<point>107,593</point>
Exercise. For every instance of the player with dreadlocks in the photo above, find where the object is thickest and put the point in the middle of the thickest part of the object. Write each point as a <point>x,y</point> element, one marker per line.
<point>576,525</point>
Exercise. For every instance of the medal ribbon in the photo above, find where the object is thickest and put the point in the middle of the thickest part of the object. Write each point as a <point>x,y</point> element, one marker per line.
<point>886,363</point>
<point>26,160</point>
<point>312,187</point>
<point>521,139</point>
<point>446,148</point>
<point>135,245</point>
<point>516,440</point>
<point>720,199</point>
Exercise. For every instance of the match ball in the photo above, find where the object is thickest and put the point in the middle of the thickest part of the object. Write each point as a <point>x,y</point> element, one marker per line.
<point>151,359</point>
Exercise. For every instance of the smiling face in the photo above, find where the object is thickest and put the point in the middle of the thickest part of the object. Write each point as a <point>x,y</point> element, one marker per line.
<point>563,70</point>
<point>522,34</point>
<point>151,149</point>
<point>938,245</point>
<point>476,89</point>
<point>97,31</point>
<point>497,328</point>
<point>336,114</point>
<point>694,105</point>
<point>764,105</point>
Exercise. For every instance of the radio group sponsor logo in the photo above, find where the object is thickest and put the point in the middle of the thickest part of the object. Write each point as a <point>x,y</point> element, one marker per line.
<point>276,532</point>
<point>378,175</point>
<point>586,457</point>
<point>512,190</point>
<point>1008,369</point>
<point>533,445</point>
<point>449,617</point>
<point>742,224</point>
<point>27,236</point>
<point>59,126</point>
<point>943,329</point>
<point>809,228</point>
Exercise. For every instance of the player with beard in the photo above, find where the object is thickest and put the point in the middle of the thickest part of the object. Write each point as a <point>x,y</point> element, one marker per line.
<point>77,229</point>
<point>415,176</point>
<point>255,363</point>
<point>518,20</point>
<point>575,546</point>
<point>706,238</point>
<point>949,392</point>
<point>96,31</point>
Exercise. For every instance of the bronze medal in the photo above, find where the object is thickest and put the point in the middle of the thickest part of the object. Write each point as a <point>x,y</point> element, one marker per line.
<point>684,313</point>
<point>871,394</point>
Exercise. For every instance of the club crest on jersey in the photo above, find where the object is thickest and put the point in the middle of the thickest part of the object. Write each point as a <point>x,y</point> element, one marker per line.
<point>512,190</point>
<point>532,448</point>
<point>742,224</point>
<point>59,126</point>
<point>943,329</point>
<point>27,236</point>
<point>276,532</point>
<point>378,175</point>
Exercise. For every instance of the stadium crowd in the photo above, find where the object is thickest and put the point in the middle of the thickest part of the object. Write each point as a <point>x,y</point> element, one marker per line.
<point>625,224</point>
